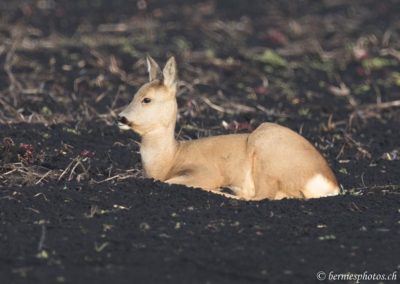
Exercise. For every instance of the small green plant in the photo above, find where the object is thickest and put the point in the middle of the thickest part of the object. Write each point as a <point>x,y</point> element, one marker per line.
<point>271,58</point>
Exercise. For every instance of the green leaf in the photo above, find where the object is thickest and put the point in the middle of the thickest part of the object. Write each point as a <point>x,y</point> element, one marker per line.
<point>377,63</point>
<point>271,58</point>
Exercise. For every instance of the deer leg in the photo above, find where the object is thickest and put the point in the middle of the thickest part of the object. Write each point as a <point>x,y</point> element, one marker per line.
<point>194,182</point>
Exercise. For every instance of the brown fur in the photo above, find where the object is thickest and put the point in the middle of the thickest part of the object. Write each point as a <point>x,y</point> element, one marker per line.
<point>272,162</point>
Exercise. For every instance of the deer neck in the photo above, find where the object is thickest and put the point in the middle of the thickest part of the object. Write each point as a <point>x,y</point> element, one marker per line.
<point>158,149</point>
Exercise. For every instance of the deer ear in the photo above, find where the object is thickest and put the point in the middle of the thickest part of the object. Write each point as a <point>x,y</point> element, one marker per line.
<point>153,69</point>
<point>170,73</point>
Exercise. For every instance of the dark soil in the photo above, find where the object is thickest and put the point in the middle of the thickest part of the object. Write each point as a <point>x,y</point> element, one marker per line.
<point>74,206</point>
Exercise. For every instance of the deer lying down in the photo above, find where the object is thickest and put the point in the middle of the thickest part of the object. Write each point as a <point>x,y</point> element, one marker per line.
<point>272,162</point>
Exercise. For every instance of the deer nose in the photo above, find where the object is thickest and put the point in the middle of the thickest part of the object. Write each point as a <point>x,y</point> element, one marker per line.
<point>122,119</point>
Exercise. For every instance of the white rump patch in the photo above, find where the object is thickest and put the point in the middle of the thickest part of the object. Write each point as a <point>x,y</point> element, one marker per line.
<point>319,186</point>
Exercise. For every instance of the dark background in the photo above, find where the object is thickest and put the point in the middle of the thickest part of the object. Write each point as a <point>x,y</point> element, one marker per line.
<point>74,206</point>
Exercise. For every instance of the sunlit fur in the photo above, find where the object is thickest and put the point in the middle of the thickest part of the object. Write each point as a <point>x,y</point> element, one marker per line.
<point>272,162</point>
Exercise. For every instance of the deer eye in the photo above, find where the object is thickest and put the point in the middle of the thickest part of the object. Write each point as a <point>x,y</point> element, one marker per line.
<point>146,100</point>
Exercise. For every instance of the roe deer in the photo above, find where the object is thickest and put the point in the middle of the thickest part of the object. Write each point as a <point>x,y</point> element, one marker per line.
<point>272,162</point>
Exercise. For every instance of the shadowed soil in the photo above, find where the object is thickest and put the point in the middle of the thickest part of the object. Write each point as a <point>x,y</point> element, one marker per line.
<point>74,205</point>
